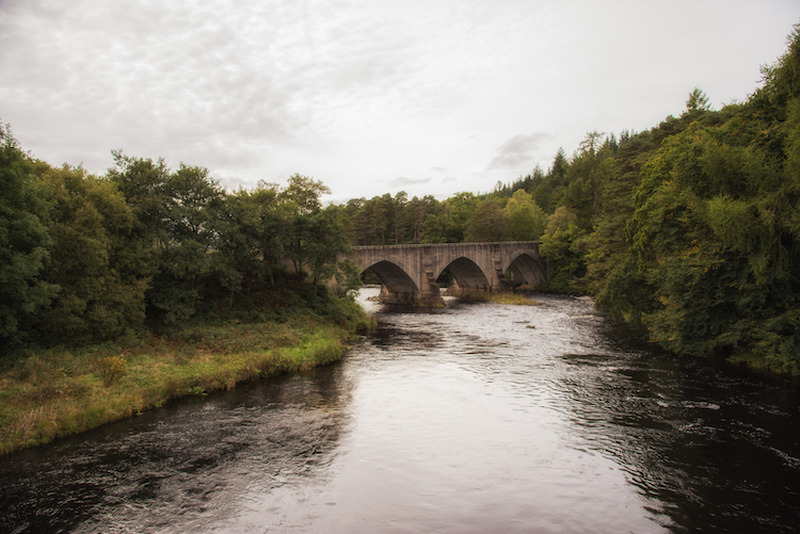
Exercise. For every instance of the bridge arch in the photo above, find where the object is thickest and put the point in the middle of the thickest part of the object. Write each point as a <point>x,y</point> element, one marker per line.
<point>396,285</point>
<point>467,274</point>
<point>526,270</point>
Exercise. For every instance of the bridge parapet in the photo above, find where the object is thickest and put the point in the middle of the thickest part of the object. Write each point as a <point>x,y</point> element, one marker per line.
<point>408,273</point>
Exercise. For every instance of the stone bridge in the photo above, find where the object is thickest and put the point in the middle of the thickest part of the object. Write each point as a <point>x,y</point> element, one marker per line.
<point>408,273</point>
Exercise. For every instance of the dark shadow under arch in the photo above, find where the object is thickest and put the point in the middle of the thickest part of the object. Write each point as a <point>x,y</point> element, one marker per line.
<point>393,277</point>
<point>527,270</point>
<point>467,274</point>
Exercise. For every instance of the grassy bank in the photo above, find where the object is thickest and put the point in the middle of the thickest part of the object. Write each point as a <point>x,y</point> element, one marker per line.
<point>56,392</point>
<point>517,299</point>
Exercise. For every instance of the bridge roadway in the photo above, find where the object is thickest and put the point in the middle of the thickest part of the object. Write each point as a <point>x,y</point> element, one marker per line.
<point>408,273</point>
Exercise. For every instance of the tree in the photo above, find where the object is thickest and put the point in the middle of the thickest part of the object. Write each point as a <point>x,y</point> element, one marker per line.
<point>589,170</point>
<point>710,234</point>
<point>313,238</point>
<point>101,293</point>
<point>143,183</point>
<point>449,224</point>
<point>591,143</point>
<point>400,204</point>
<point>697,102</point>
<point>252,231</point>
<point>548,189</point>
<point>560,247</point>
<point>193,201</point>
<point>304,193</point>
<point>25,242</point>
<point>610,273</point>
<point>176,214</point>
<point>321,253</point>
<point>421,210</point>
<point>526,220</point>
<point>488,223</point>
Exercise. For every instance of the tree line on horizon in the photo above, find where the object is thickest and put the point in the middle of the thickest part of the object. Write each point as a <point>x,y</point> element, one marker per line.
<point>688,232</point>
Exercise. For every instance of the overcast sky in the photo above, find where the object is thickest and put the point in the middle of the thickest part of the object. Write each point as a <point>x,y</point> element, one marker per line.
<point>426,96</point>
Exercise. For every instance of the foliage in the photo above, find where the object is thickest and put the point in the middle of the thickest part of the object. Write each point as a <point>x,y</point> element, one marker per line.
<point>312,238</point>
<point>177,214</point>
<point>25,244</point>
<point>88,259</point>
<point>526,220</point>
<point>714,237</point>
<point>711,238</point>
<point>449,223</point>
<point>101,293</point>
<point>111,369</point>
<point>488,223</point>
<point>561,247</point>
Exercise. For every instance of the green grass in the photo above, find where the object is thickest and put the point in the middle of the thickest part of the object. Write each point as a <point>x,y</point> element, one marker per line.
<point>56,392</point>
<point>516,299</point>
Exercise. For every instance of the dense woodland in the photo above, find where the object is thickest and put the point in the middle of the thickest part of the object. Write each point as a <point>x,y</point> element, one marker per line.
<point>87,259</point>
<point>688,232</point>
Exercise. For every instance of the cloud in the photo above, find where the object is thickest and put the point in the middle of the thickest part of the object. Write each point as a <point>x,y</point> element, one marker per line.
<point>402,181</point>
<point>518,151</point>
<point>354,92</point>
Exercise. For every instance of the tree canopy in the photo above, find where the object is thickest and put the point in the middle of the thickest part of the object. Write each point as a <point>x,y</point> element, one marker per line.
<point>88,259</point>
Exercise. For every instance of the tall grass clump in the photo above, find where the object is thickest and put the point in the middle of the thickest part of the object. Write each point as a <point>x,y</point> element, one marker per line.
<point>111,369</point>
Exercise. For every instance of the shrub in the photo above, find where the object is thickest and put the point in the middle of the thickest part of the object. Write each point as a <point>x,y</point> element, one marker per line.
<point>111,369</point>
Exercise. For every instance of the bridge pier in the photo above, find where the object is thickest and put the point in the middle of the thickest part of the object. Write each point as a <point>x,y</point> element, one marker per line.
<point>430,293</point>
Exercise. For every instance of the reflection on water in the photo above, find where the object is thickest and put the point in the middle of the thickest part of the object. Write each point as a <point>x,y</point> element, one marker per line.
<point>474,418</point>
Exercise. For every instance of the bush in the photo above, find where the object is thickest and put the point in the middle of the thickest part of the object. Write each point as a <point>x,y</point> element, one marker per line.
<point>111,369</point>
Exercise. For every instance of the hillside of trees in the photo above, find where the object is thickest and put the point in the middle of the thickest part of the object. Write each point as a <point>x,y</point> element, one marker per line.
<point>688,232</point>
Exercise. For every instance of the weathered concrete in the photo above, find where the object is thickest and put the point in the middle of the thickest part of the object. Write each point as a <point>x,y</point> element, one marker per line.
<point>408,272</point>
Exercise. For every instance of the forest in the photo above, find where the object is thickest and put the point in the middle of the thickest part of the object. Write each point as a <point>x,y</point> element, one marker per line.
<point>87,259</point>
<point>688,233</point>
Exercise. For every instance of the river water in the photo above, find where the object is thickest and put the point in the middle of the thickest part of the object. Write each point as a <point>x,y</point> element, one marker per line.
<point>475,418</point>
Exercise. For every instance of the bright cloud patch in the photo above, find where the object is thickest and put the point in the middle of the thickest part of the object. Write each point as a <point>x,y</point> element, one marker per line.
<point>519,151</point>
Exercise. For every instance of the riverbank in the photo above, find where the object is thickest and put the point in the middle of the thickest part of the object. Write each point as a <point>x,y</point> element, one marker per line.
<point>56,392</point>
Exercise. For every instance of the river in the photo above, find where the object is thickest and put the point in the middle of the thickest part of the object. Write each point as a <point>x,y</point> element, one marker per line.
<point>474,418</point>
